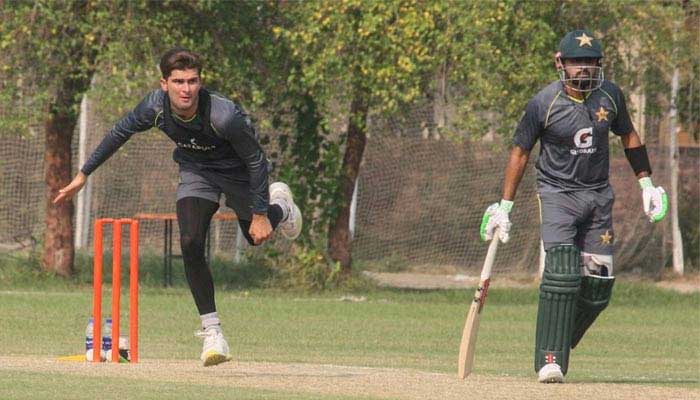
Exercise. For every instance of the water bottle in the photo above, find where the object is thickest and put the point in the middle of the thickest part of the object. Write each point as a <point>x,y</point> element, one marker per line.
<point>124,353</point>
<point>107,340</point>
<point>89,341</point>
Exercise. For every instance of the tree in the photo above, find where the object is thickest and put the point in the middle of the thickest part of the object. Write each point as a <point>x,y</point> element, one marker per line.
<point>496,55</point>
<point>55,49</point>
<point>366,56</point>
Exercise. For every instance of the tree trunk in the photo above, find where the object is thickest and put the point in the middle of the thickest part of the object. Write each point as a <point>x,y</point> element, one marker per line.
<point>339,244</point>
<point>678,266</point>
<point>58,235</point>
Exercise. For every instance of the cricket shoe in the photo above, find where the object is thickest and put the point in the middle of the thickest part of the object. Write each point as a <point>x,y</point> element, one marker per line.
<point>550,373</point>
<point>281,195</point>
<point>215,349</point>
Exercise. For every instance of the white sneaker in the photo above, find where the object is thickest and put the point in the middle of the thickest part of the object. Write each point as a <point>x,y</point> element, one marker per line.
<point>550,373</point>
<point>281,195</point>
<point>215,350</point>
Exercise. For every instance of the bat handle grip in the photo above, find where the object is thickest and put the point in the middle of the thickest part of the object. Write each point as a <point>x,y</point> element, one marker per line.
<point>490,257</point>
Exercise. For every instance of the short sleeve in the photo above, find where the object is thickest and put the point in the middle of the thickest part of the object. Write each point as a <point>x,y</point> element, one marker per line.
<point>529,128</point>
<point>622,124</point>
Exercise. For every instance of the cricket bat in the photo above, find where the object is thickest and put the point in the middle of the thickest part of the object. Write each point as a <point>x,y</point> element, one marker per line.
<point>471,327</point>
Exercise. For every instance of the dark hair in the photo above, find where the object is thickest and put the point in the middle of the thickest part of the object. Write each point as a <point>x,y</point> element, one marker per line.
<point>179,58</point>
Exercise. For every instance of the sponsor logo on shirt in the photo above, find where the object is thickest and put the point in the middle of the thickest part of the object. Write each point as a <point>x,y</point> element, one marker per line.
<point>583,139</point>
<point>192,145</point>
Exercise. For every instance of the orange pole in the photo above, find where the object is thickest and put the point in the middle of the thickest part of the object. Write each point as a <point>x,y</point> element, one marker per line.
<point>134,291</point>
<point>116,285</point>
<point>97,292</point>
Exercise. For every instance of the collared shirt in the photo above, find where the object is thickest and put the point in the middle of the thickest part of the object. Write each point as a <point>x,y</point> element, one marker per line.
<point>573,135</point>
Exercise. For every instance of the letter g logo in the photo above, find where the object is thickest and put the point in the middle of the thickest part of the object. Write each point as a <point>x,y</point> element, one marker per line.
<point>584,138</point>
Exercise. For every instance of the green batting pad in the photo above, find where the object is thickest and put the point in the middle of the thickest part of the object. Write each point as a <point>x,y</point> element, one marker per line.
<point>559,288</point>
<point>594,297</point>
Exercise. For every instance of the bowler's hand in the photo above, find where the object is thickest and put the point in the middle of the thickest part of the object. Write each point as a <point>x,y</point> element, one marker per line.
<point>74,187</point>
<point>260,228</point>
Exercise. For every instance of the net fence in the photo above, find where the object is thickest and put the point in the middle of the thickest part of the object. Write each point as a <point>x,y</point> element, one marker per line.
<point>421,198</point>
<point>140,178</point>
<point>419,203</point>
<point>22,183</point>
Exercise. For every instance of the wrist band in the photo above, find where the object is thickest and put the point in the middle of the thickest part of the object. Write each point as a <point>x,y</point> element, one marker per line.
<point>639,160</point>
<point>506,205</point>
<point>645,182</point>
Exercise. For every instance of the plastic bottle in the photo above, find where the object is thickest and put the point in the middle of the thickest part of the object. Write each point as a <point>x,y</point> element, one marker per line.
<point>89,340</point>
<point>124,353</point>
<point>107,340</point>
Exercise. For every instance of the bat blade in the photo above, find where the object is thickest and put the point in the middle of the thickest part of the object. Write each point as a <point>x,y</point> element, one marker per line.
<point>467,347</point>
<point>469,334</point>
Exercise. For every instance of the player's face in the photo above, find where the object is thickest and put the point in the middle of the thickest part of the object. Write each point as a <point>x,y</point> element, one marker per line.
<point>183,87</point>
<point>581,70</point>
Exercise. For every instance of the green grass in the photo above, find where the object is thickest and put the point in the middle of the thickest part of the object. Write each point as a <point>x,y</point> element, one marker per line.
<point>646,336</point>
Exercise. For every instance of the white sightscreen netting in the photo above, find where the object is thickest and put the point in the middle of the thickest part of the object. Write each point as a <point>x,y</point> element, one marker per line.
<point>421,198</point>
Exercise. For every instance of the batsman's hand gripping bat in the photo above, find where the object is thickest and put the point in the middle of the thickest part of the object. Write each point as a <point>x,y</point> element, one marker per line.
<point>471,327</point>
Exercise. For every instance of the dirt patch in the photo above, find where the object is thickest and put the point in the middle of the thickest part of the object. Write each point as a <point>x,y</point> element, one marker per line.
<point>321,380</point>
<point>690,283</point>
<point>413,280</point>
<point>416,280</point>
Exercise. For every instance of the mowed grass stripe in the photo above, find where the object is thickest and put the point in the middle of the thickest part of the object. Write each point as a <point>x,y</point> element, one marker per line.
<point>646,336</point>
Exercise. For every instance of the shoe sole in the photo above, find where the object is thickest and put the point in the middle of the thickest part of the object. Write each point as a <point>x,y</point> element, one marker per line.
<point>295,234</point>
<point>216,359</point>
<point>552,379</point>
<point>286,192</point>
<point>281,187</point>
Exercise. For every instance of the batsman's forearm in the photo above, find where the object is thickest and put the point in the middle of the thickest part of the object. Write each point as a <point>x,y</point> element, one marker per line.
<point>631,140</point>
<point>636,154</point>
<point>514,172</point>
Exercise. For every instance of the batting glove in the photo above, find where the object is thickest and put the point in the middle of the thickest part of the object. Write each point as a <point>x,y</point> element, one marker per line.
<point>654,199</point>
<point>496,216</point>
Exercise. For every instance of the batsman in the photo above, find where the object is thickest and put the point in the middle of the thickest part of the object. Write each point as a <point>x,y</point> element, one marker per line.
<point>571,118</point>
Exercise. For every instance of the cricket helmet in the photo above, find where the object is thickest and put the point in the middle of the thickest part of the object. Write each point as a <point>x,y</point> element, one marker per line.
<point>579,44</point>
